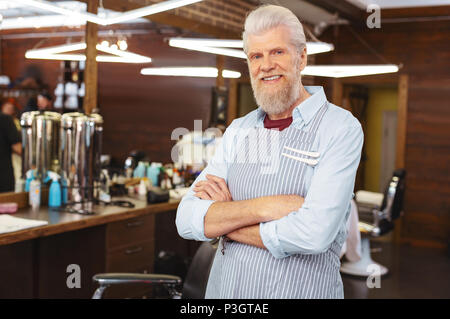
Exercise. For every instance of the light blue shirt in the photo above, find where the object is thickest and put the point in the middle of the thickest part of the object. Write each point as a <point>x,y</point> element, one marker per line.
<point>312,228</point>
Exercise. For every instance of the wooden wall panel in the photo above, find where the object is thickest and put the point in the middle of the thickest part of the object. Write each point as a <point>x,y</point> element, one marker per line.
<point>424,50</point>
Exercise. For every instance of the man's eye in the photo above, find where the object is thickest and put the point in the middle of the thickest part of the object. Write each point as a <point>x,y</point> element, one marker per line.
<point>279,52</point>
<point>255,56</point>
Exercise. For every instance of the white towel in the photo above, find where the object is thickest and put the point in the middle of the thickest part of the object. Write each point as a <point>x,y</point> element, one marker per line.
<point>10,224</point>
<point>352,246</point>
<point>371,198</point>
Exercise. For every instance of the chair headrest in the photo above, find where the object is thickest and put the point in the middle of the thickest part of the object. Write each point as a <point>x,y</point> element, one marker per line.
<point>393,195</point>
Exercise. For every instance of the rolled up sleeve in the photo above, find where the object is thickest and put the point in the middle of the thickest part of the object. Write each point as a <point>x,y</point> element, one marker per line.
<point>192,210</point>
<point>313,228</point>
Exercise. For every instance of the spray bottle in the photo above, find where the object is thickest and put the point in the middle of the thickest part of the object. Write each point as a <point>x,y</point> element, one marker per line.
<point>54,195</point>
<point>30,176</point>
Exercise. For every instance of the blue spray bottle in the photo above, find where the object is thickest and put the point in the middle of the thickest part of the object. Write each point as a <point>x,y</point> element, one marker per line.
<point>30,176</point>
<point>54,194</point>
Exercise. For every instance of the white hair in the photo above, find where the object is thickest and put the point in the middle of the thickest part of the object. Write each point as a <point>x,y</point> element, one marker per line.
<point>267,17</point>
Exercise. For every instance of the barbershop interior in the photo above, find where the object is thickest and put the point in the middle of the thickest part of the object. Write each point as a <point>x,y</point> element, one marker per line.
<point>111,109</point>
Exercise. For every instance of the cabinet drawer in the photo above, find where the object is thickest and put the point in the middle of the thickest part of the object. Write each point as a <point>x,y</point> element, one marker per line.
<point>127,232</point>
<point>132,257</point>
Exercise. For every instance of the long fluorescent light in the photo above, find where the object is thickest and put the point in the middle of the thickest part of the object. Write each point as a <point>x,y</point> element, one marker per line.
<point>47,5</point>
<point>60,53</point>
<point>339,71</point>
<point>214,50</point>
<point>318,47</point>
<point>208,72</point>
<point>149,10</point>
<point>41,22</point>
<point>117,18</point>
<point>222,47</point>
<point>222,43</point>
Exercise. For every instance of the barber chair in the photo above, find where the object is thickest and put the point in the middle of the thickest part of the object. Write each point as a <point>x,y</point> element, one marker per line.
<point>377,213</point>
<point>194,286</point>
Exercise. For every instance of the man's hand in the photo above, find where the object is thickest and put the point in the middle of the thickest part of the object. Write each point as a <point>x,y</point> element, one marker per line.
<point>214,188</point>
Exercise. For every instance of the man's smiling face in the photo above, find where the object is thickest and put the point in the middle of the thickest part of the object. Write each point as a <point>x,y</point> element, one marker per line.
<point>275,66</point>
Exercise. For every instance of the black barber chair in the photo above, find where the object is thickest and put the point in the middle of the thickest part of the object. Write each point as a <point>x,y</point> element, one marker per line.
<point>376,218</point>
<point>194,286</point>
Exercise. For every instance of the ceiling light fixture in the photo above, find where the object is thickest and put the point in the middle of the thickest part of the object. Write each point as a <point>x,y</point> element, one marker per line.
<point>228,47</point>
<point>117,17</point>
<point>60,53</point>
<point>340,71</point>
<point>43,21</point>
<point>208,72</point>
<point>123,45</point>
<point>50,6</point>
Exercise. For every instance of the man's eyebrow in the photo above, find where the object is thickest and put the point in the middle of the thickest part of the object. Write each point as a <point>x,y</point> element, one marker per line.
<point>253,52</point>
<point>270,50</point>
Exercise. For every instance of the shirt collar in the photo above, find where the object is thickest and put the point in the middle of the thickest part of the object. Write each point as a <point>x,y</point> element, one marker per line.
<point>304,111</point>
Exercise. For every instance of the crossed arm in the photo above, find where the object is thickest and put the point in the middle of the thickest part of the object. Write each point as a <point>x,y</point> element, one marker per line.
<point>239,220</point>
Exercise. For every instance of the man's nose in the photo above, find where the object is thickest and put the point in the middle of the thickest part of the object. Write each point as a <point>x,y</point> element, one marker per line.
<point>267,64</point>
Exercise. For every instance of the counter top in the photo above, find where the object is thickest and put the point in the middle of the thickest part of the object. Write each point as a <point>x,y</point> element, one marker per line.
<point>59,221</point>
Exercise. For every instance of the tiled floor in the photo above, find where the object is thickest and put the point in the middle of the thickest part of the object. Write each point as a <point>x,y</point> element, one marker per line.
<point>413,273</point>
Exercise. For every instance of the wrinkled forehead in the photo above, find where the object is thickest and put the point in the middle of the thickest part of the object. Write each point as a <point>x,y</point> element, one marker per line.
<point>277,37</point>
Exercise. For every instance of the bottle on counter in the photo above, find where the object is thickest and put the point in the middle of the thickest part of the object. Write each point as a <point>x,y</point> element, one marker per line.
<point>153,172</point>
<point>54,195</point>
<point>30,177</point>
<point>139,171</point>
<point>176,178</point>
<point>142,190</point>
<point>35,194</point>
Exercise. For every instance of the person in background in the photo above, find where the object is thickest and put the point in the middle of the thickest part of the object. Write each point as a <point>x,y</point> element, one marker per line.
<point>9,107</point>
<point>43,102</point>
<point>9,143</point>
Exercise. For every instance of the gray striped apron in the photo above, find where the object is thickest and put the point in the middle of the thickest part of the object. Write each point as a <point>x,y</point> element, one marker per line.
<point>244,271</point>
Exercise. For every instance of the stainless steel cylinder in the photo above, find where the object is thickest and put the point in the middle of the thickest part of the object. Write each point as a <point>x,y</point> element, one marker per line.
<point>81,137</point>
<point>40,142</point>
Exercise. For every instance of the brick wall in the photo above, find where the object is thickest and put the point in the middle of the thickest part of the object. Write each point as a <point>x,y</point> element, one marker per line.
<point>226,14</point>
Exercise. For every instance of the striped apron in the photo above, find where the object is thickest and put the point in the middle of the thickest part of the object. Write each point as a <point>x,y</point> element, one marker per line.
<point>244,271</point>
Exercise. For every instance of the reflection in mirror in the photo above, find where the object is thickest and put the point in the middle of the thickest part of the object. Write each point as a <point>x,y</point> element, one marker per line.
<point>10,146</point>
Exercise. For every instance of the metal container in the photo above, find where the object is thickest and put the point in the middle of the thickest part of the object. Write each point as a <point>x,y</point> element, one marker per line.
<point>40,142</point>
<point>81,137</point>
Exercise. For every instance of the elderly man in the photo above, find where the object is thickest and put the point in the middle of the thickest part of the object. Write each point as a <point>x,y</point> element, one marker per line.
<point>278,189</point>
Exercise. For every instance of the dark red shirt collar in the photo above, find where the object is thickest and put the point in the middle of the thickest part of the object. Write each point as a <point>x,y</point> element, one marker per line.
<point>277,124</point>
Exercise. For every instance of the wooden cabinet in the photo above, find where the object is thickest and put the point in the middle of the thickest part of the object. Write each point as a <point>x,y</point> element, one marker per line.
<point>38,268</point>
<point>16,270</point>
<point>130,247</point>
<point>129,232</point>
<point>83,248</point>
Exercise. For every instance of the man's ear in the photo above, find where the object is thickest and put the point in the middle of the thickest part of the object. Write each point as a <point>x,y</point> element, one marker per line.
<point>303,59</point>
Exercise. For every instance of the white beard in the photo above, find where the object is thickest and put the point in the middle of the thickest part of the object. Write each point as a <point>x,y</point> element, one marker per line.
<point>282,99</point>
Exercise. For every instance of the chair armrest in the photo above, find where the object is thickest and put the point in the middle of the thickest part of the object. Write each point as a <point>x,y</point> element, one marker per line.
<point>106,280</point>
<point>368,229</point>
<point>131,278</point>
